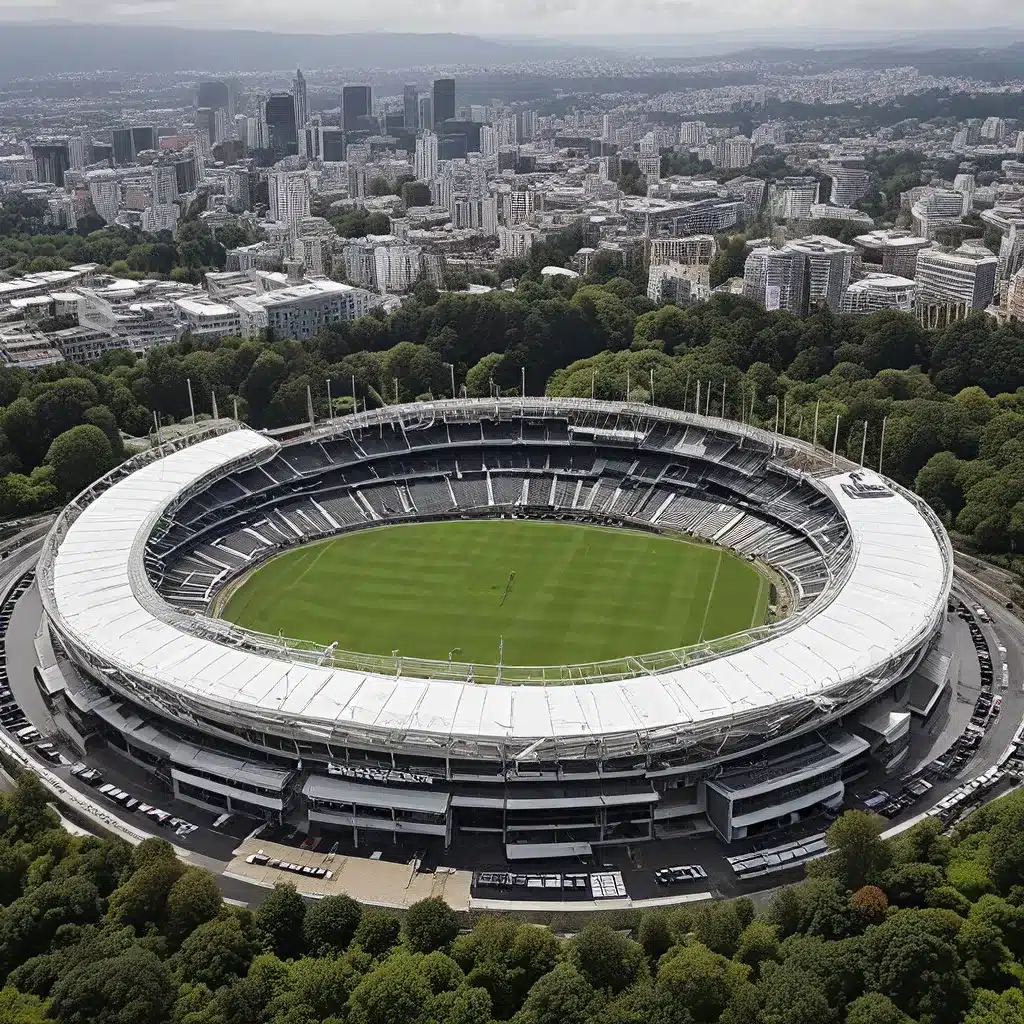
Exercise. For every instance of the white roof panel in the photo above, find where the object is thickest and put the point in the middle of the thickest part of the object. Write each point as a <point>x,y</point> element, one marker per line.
<point>890,600</point>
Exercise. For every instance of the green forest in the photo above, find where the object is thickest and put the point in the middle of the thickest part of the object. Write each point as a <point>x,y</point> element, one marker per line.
<point>925,928</point>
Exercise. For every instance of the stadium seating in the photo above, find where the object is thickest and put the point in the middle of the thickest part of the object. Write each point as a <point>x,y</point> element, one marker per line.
<point>678,477</point>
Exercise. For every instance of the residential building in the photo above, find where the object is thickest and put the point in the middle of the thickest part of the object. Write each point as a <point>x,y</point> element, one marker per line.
<point>301,310</point>
<point>165,184</point>
<point>893,251</point>
<point>289,196</point>
<point>937,209</point>
<point>792,198</point>
<point>880,291</point>
<point>803,272</point>
<point>208,320</point>
<point>691,250</point>
<point>160,218</point>
<point>678,284</point>
<point>962,278</point>
<point>397,267</point>
<point>1015,295</point>
<point>693,134</point>
<point>425,161</point>
<point>515,242</point>
<point>850,180</point>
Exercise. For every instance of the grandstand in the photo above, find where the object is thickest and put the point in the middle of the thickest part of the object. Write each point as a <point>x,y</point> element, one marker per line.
<point>623,751</point>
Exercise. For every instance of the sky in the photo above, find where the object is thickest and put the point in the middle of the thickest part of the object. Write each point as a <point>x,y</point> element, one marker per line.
<point>552,18</point>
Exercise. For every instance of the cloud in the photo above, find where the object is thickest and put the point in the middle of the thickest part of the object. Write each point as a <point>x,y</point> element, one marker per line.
<point>776,18</point>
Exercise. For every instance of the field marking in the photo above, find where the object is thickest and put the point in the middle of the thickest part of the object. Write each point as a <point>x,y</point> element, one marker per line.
<point>711,595</point>
<point>757,605</point>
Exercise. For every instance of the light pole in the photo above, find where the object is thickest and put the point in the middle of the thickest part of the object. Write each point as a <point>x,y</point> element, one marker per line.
<point>522,390</point>
<point>330,404</point>
<point>593,383</point>
<point>453,652</point>
<point>451,368</point>
<point>775,441</point>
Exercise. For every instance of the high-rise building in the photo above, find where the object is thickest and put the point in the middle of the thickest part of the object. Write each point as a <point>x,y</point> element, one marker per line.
<point>427,112</point>
<point>300,100</point>
<point>966,277</point>
<point>52,159</point>
<point>165,184</point>
<point>444,100</point>
<point>693,134</point>
<point>411,108</point>
<point>993,129</point>
<point>289,196</point>
<point>397,267</point>
<point>895,252</point>
<point>425,164</point>
<point>356,102</point>
<point>215,95</point>
<point>129,142</point>
<point>1015,295</point>
<point>938,208</point>
<point>803,272</point>
<point>105,190</point>
<point>282,132</point>
<point>850,180</point>
<point>488,141</point>
<point>527,125</point>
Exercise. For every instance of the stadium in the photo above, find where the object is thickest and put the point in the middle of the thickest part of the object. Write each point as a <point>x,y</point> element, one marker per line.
<point>548,624</point>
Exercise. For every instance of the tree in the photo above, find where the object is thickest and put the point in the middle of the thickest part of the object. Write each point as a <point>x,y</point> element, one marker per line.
<point>875,1008</point>
<point>26,809</point>
<point>430,924</point>
<point>609,961</point>
<point>16,1008</point>
<point>279,918</point>
<point>857,853</point>
<point>391,994</point>
<point>693,978</point>
<point>758,942</point>
<point>193,899</point>
<point>214,953</point>
<point>330,924</point>
<point>377,932</point>
<point>126,989</point>
<point>78,457</point>
<point>990,1008</point>
<point>562,996</point>
<point>653,933</point>
<point>141,901</point>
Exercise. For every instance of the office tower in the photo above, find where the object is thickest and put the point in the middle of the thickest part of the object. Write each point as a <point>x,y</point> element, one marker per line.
<point>356,102</point>
<point>289,196</point>
<point>333,144</point>
<point>444,100</point>
<point>411,108</point>
<point>792,198</point>
<point>186,171</point>
<point>77,151</point>
<point>937,209</point>
<point>124,151</point>
<point>236,188</point>
<point>214,95</point>
<point>427,113</point>
<point>300,100</point>
<point>894,251</point>
<point>207,124</point>
<point>282,133</point>
<point>425,163</point>
<point>53,160</point>
<point>165,184</point>
<point>240,125</point>
<point>100,153</point>
<point>966,277</point>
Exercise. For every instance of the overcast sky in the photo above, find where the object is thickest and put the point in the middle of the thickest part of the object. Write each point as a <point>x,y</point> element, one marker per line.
<point>540,17</point>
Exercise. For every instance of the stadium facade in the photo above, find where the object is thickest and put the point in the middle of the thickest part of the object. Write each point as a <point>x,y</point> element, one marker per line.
<point>741,735</point>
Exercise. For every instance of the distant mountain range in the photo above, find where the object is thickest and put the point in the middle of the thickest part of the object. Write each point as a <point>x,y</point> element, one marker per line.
<point>39,49</point>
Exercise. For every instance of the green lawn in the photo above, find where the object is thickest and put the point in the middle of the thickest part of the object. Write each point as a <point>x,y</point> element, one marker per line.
<point>579,594</point>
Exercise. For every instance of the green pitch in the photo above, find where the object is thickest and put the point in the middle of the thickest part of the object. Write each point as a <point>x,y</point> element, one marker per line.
<point>579,593</point>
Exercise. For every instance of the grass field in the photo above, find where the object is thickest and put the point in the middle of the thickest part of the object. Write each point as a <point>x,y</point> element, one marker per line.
<point>579,593</point>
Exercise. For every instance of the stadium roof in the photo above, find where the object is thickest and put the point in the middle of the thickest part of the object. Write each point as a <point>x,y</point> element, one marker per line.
<point>895,591</point>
